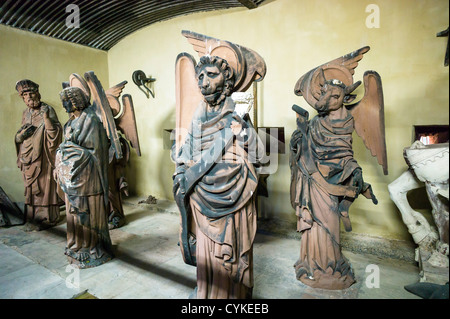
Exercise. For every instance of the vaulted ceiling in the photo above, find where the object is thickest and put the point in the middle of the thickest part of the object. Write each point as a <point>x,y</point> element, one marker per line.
<point>102,23</point>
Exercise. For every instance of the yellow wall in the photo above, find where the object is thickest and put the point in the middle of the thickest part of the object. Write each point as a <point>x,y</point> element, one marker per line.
<point>47,62</point>
<point>294,36</point>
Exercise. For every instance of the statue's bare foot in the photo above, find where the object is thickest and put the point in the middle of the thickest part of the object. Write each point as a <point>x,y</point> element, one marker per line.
<point>83,255</point>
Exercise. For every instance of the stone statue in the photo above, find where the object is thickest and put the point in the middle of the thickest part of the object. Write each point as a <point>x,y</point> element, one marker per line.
<point>118,185</point>
<point>325,177</point>
<point>36,143</point>
<point>428,166</point>
<point>82,170</point>
<point>216,178</point>
<point>125,122</point>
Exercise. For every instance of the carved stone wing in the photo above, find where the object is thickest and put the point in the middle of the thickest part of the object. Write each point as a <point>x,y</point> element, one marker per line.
<point>103,110</point>
<point>350,60</point>
<point>341,68</point>
<point>124,114</point>
<point>127,123</point>
<point>113,94</point>
<point>369,118</point>
<point>188,96</point>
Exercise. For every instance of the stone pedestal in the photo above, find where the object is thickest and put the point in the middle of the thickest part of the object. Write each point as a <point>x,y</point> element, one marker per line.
<point>433,266</point>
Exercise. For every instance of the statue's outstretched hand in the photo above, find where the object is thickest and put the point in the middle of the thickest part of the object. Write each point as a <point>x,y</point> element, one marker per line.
<point>358,180</point>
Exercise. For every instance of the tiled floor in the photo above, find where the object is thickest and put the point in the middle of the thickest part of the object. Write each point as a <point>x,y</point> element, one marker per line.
<point>148,264</point>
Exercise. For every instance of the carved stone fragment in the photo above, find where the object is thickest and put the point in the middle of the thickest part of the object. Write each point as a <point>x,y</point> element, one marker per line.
<point>429,167</point>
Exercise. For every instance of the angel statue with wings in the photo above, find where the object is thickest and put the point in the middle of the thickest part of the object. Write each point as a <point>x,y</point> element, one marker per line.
<point>125,123</point>
<point>90,140</point>
<point>325,177</point>
<point>215,179</point>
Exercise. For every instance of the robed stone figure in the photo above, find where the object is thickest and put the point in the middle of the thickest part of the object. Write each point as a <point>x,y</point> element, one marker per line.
<point>82,172</point>
<point>36,143</point>
<point>215,182</point>
<point>325,176</point>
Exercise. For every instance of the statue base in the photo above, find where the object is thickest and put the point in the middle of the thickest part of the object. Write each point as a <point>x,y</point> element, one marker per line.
<point>332,280</point>
<point>87,261</point>
<point>433,266</point>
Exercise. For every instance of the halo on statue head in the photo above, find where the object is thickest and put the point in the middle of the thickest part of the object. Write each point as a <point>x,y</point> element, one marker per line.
<point>309,85</point>
<point>234,59</point>
<point>78,81</point>
<point>247,65</point>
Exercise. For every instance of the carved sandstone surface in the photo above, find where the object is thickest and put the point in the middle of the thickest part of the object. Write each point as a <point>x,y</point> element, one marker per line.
<point>36,143</point>
<point>325,176</point>
<point>215,179</point>
<point>429,166</point>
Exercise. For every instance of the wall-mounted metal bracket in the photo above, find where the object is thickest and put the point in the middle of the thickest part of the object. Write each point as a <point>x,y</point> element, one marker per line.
<point>143,82</point>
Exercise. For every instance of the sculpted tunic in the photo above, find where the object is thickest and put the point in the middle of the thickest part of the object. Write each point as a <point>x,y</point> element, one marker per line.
<point>36,158</point>
<point>321,193</point>
<point>218,166</point>
<point>82,163</point>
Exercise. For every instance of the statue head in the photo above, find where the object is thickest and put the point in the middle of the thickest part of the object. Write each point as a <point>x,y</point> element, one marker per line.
<point>215,79</point>
<point>73,99</point>
<point>333,94</point>
<point>29,92</point>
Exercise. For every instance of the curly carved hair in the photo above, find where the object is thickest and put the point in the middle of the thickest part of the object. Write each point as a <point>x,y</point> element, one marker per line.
<point>76,96</point>
<point>223,66</point>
